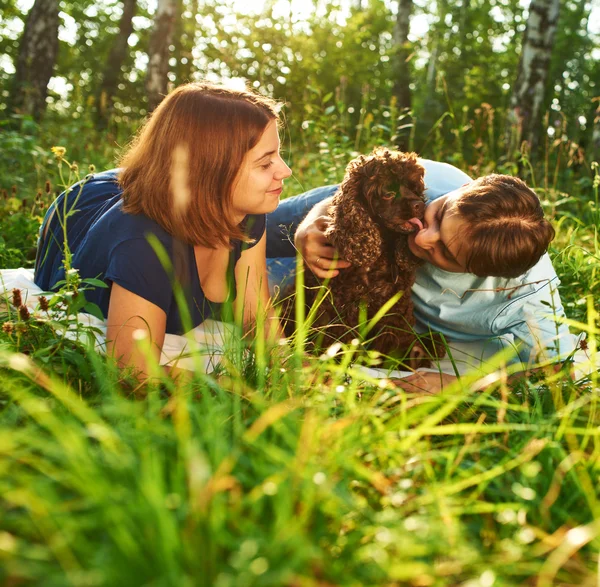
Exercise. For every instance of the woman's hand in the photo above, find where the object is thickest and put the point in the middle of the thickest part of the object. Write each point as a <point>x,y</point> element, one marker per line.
<point>319,255</point>
<point>424,382</point>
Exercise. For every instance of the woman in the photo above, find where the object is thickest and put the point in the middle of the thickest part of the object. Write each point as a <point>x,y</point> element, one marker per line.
<point>186,208</point>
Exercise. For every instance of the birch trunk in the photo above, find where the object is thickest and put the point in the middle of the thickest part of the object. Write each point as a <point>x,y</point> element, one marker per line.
<point>528,93</point>
<point>38,51</point>
<point>116,58</point>
<point>158,52</point>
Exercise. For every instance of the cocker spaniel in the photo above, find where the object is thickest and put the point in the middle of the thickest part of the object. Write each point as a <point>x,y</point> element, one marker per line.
<point>379,203</point>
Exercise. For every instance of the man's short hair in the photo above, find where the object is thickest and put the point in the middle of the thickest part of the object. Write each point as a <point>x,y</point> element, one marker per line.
<point>505,230</point>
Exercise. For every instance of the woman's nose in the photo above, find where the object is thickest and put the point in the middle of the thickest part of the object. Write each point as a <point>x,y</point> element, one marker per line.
<point>284,172</point>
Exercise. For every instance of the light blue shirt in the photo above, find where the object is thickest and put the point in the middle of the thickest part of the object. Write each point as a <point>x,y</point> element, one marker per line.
<point>467,308</point>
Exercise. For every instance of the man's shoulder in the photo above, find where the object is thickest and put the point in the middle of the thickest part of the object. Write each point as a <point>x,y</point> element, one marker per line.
<point>463,285</point>
<point>441,178</point>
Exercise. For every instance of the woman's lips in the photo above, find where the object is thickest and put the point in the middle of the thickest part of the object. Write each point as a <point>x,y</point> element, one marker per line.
<point>276,192</point>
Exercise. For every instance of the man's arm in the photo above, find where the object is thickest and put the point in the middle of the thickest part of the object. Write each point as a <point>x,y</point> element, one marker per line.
<point>283,222</point>
<point>535,318</point>
<point>319,255</point>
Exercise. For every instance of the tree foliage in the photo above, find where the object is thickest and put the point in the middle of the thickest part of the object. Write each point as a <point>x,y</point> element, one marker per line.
<point>463,57</point>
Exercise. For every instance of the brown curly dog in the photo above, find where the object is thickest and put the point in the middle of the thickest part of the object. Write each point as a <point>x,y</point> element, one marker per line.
<point>379,203</point>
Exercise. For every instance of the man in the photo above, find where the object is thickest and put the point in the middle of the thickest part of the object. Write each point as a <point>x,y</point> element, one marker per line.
<point>487,278</point>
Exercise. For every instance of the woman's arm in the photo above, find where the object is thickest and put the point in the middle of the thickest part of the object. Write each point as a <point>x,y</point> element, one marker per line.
<point>132,319</point>
<point>253,291</point>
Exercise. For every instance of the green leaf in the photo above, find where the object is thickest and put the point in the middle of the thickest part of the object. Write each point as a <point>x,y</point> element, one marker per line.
<point>95,282</point>
<point>94,310</point>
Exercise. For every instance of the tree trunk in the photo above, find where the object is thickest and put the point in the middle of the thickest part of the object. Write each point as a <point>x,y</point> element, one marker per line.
<point>158,52</point>
<point>402,76</point>
<point>116,58</point>
<point>528,93</point>
<point>38,51</point>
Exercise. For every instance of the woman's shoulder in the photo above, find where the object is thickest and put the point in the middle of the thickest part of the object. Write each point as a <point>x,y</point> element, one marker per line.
<point>101,182</point>
<point>119,226</point>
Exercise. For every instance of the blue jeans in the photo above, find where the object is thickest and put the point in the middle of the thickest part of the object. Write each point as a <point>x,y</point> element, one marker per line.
<point>281,228</point>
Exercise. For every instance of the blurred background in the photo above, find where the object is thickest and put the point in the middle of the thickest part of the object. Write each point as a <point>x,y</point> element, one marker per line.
<point>465,81</point>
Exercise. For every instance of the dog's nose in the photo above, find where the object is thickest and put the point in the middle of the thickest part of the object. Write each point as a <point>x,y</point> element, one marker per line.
<point>418,208</point>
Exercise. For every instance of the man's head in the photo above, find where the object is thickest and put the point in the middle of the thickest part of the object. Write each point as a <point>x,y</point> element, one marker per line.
<point>493,226</point>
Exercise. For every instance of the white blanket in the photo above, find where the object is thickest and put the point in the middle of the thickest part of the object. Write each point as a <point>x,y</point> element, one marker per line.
<point>202,348</point>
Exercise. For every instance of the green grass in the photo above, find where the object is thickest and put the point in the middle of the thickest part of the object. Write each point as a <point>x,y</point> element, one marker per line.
<point>308,478</point>
<point>292,473</point>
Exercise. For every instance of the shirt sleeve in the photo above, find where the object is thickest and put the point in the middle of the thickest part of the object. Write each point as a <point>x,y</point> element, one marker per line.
<point>254,228</point>
<point>283,222</point>
<point>441,178</point>
<point>134,265</point>
<point>534,317</point>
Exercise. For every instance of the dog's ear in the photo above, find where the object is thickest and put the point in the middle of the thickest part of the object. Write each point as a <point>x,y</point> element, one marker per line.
<point>352,230</point>
<point>405,261</point>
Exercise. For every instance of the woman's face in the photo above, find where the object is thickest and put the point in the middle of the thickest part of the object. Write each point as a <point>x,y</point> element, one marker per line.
<point>440,241</point>
<point>260,180</point>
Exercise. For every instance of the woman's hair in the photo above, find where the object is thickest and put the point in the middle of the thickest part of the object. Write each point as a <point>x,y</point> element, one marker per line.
<point>505,227</point>
<point>181,167</point>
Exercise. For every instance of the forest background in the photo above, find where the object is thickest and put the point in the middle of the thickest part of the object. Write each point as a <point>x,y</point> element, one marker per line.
<point>465,81</point>
<point>300,475</point>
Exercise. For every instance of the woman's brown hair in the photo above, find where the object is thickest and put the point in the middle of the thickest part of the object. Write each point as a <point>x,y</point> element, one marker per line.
<point>214,127</point>
<point>505,227</point>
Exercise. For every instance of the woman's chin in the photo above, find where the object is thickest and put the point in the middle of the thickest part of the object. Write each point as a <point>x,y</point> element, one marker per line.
<point>272,208</point>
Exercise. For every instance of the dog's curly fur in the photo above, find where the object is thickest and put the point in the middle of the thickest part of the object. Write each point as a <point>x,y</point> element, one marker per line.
<point>369,228</point>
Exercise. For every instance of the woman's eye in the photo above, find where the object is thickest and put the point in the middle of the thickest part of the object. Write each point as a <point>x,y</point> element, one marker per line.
<point>267,165</point>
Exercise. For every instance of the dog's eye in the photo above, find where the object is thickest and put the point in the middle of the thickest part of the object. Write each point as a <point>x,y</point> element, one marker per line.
<point>389,196</point>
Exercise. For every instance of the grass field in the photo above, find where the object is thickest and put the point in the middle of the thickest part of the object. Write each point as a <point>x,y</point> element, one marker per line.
<point>295,472</point>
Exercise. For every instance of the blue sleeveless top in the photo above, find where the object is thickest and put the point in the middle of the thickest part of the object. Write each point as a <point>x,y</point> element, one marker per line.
<point>112,245</point>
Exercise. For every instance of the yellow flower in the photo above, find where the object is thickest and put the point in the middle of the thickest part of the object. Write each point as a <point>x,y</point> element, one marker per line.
<point>59,152</point>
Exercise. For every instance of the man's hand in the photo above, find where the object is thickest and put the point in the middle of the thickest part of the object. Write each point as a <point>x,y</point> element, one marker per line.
<point>319,255</point>
<point>540,372</point>
<point>424,383</point>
